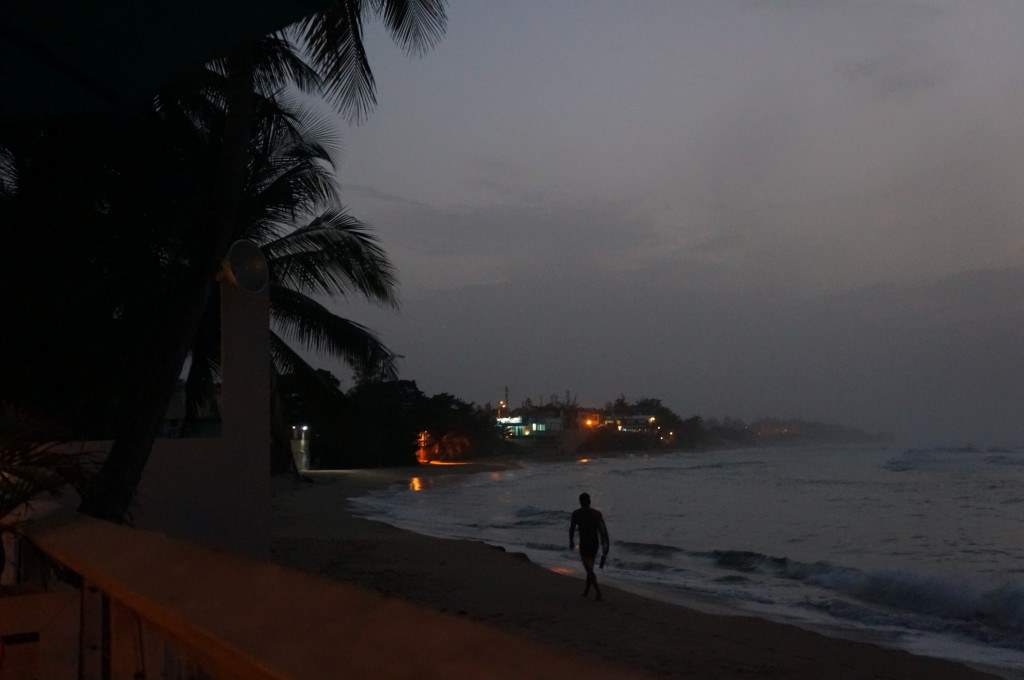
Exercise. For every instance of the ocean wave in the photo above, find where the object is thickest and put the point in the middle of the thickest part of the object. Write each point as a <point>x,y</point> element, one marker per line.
<point>645,566</point>
<point>525,517</point>
<point>956,459</point>
<point>726,465</point>
<point>546,547</point>
<point>1003,459</point>
<point>648,549</point>
<point>681,468</point>
<point>529,514</point>
<point>628,472</point>
<point>994,615</point>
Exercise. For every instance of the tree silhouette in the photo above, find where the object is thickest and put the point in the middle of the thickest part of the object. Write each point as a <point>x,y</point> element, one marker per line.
<point>222,102</point>
<point>314,249</point>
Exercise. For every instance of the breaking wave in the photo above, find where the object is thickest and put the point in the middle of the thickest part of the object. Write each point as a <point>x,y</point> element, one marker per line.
<point>924,602</point>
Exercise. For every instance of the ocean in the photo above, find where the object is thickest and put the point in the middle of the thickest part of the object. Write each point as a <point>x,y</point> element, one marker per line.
<point>920,549</point>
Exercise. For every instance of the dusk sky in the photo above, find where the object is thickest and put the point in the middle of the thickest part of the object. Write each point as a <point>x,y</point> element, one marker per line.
<point>749,208</point>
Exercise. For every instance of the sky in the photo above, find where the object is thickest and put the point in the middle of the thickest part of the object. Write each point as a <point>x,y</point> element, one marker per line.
<point>744,208</point>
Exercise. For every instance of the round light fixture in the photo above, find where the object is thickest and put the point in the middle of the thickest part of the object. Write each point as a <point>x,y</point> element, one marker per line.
<point>246,266</point>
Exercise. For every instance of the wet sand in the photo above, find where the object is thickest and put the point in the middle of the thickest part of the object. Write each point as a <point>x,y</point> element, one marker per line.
<point>314,530</point>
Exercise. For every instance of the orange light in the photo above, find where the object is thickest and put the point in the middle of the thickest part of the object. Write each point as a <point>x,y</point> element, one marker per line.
<point>584,460</point>
<point>561,570</point>
<point>445,462</point>
<point>424,451</point>
<point>416,484</point>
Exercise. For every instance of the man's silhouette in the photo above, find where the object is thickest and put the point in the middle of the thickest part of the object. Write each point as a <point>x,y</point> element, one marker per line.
<point>592,533</point>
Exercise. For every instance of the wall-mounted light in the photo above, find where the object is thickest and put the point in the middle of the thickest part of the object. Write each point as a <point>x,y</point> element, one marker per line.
<point>246,267</point>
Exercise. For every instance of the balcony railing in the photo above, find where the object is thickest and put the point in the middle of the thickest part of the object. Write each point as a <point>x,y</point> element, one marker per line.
<point>95,600</point>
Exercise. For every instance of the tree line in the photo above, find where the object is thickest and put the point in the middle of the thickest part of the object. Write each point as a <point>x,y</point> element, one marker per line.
<point>393,423</point>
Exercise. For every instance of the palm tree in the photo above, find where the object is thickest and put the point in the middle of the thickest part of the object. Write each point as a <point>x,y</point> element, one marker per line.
<point>334,48</point>
<point>35,460</point>
<point>92,258</point>
<point>314,249</point>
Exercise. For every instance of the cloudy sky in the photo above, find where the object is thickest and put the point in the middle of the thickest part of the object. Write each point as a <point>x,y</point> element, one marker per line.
<point>792,208</point>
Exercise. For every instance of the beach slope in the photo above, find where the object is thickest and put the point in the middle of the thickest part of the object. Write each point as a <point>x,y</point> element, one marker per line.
<point>314,531</point>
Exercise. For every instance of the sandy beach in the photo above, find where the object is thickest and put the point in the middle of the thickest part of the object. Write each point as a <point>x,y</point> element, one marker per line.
<point>313,530</point>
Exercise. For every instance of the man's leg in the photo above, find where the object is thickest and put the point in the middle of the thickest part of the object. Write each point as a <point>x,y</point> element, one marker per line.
<point>588,566</point>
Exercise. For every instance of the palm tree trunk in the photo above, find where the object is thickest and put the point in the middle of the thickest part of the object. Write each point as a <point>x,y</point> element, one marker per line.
<point>111,496</point>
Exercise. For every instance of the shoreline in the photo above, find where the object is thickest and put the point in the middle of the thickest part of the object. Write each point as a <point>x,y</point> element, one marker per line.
<point>314,530</point>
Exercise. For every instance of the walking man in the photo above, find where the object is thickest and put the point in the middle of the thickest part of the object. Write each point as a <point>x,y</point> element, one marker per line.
<point>592,532</point>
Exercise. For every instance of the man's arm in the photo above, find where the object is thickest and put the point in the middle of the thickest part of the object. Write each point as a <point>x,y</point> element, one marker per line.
<point>572,532</point>
<point>602,530</point>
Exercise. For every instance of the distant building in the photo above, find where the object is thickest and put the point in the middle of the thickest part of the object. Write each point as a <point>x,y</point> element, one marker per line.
<point>548,420</point>
<point>632,423</point>
<point>530,426</point>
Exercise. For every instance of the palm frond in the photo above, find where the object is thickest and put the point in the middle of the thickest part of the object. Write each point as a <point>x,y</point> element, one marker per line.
<point>284,201</point>
<point>309,323</point>
<point>197,97</point>
<point>334,254</point>
<point>277,64</point>
<point>315,388</point>
<point>286,361</point>
<point>283,358</point>
<point>35,460</point>
<point>8,173</point>
<point>334,43</point>
<point>311,124</point>
<point>291,171</point>
<point>317,126</point>
<point>415,25</point>
<point>299,176</point>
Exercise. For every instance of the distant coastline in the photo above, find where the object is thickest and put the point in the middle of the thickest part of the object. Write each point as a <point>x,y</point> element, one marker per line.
<point>574,444</point>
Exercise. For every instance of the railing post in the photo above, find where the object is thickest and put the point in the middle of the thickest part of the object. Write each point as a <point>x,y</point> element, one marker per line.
<point>137,651</point>
<point>127,657</point>
<point>91,662</point>
<point>31,565</point>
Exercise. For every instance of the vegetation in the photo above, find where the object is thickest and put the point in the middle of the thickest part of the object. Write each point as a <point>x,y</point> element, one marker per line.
<point>314,249</point>
<point>36,460</point>
<point>389,422</point>
<point>94,260</point>
<point>120,227</point>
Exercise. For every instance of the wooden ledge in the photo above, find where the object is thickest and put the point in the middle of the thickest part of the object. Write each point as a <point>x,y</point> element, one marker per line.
<point>248,619</point>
